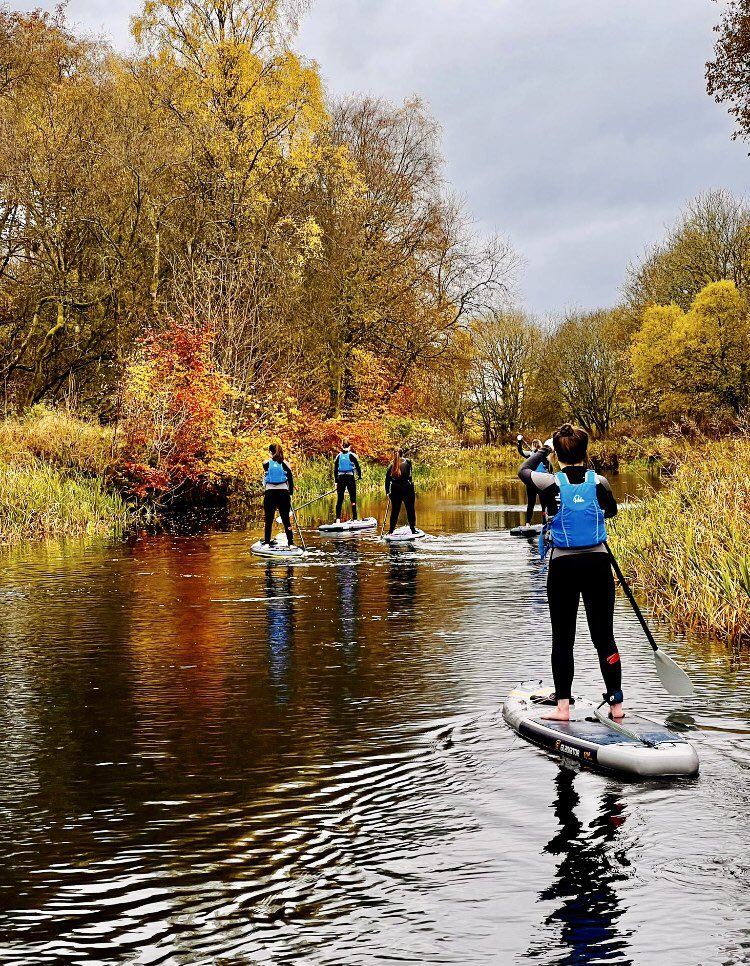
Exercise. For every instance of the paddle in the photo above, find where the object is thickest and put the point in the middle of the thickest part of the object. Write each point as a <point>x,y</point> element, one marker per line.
<point>299,528</point>
<point>621,729</point>
<point>385,516</point>
<point>309,502</point>
<point>673,678</point>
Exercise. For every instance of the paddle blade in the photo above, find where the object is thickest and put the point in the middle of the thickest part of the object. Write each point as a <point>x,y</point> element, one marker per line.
<point>673,678</point>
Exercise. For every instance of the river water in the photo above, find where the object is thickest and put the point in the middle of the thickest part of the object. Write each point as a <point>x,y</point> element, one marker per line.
<point>205,758</point>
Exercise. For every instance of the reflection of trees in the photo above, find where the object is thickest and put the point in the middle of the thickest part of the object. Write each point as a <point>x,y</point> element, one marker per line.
<point>587,905</point>
<point>280,624</point>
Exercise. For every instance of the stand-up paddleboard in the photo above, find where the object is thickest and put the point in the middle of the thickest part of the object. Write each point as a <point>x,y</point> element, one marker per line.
<point>533,530</point>
<point>585,739</point>
<point>404,535</point>
<point>349,526</point>
<point>282,551</point>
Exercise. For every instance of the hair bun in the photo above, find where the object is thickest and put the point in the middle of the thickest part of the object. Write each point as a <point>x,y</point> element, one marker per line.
<point>565,430</point>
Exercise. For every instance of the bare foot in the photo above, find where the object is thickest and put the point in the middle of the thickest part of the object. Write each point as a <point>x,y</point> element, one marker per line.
<point>616,712</point>
<point>561,712</point>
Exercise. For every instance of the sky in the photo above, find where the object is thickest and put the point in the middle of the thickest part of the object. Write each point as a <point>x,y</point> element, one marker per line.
<point>578,129</point>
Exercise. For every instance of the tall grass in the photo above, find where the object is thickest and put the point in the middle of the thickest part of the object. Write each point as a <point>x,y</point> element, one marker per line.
<point>52,472</point>
<point>686,547</point>
<point>39,500</point>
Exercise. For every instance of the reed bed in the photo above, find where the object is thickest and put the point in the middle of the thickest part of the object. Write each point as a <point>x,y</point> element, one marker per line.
<point>38,500</point>
<point>686,547</point>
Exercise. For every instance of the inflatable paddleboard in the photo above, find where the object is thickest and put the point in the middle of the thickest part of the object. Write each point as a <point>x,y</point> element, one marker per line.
<point>531,531</point>
<point>366,523</point>
<point>280,552</point>
<point>403,535</point>
<point>659,752</point>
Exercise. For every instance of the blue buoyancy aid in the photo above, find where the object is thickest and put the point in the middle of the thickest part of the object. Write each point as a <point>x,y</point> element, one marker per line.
<point>580,520</point>
<point>345,462</point>
<point>275,473</point>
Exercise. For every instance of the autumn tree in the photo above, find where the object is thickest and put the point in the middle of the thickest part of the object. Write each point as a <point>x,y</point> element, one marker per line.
<point>710,242</point>
<point>505,351</point>
<point>727,77</point>
<point>696,362</point>
<point>587,360</point>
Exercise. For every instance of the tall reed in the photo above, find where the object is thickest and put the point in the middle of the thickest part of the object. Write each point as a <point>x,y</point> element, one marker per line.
<point>686,548</point>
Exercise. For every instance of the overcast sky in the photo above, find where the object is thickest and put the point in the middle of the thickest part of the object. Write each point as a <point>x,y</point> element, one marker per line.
<point>578,128</point>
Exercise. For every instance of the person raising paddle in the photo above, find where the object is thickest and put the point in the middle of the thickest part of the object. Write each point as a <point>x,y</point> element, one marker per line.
<point>577,501</point>
<point>544,467</point>
<point>278,484</point>
<point>399,485</point>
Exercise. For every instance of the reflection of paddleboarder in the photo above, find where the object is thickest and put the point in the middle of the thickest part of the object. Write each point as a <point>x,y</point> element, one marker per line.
<point>587,905</point>
<point>347,578</point>
<point>402,586</point>
<point>280,627</point>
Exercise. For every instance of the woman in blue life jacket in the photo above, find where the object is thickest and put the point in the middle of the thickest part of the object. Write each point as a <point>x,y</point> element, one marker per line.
<point>346,472</point>
<point>399,485</point>
<point>577,501</point>
<point>544,467</point>
<point>278,485</point>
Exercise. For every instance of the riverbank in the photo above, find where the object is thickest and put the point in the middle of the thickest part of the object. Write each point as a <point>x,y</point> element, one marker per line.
<point>61,475</point>
<point>685,548</point>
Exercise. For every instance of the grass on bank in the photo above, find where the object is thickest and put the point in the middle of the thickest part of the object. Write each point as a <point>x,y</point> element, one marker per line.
<point>52,472</point>
<point>686,547</point>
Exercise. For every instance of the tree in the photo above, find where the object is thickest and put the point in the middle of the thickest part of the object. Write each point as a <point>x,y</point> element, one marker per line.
<point>696,362</point>
<point>588,359</point>
<point>505,349</point>
<point>710,242</point>
<point>727,78</point>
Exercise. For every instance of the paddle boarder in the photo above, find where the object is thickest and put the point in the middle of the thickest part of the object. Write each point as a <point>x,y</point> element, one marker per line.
<point>278,484</point>
<point>399,485</point>
<point>544,467</point>
<point>346,472</point>
<point>577,501</point>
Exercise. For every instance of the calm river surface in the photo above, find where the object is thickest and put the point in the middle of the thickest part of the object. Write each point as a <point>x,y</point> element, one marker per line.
<point>208,759</point>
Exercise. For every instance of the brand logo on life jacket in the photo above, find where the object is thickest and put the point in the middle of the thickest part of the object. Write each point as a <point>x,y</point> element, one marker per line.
<point>578,499</point>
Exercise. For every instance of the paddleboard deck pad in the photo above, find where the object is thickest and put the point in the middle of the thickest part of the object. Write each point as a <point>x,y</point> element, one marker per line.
<point>282,551</point>
<point>586,740</point>
<point>533,530</point>
<point>366,523</point>
<point>403,535</point>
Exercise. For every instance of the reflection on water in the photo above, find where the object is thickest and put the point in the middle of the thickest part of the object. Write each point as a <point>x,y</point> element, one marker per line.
<point>206,758</point>
<point>587,908</point>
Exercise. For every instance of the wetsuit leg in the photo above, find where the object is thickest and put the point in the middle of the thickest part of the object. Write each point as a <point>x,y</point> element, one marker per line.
<point>351,485</point>
<point>340,491</point>
<point>563,595</point>
<point>397,498</point>
<point>598,592</point>
<point>411,514</point>
<point>269,508</point>
<point>284,503</point>
<point>531,493</point>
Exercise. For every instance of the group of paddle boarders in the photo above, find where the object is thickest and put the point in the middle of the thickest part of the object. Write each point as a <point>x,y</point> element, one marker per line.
<point>575,501</point>
<point>278,489</point>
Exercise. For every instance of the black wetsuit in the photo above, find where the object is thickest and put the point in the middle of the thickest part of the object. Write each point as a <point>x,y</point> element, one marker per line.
<point>576,573</point>
<point>278,496</point>
<point>401,491</point>
<point>531,490</point>
<point>346,482</point>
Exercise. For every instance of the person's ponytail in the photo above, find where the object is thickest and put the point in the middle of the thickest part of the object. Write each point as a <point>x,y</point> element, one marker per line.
<point>396,465</point>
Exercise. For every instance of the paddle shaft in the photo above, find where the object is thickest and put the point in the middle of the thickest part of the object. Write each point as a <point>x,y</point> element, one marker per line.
<point>631,598</point>
<point>315,500</point>
<point>385,515</point>
<point>299,528</point>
